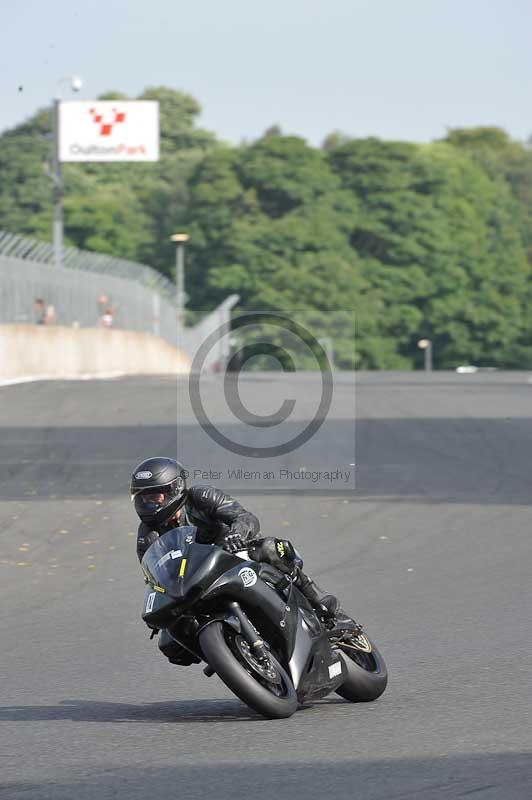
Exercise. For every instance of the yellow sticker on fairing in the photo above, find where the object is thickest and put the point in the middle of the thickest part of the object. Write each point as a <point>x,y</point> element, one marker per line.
<point>182,567</point>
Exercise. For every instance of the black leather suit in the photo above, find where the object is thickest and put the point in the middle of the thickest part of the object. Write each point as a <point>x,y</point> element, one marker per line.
<point>215,515</point>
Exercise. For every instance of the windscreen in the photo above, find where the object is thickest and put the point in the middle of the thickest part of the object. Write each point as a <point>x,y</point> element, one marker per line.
<point>163,561</point>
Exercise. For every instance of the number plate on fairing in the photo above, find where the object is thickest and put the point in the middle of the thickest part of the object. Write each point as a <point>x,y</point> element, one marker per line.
<point>335,669</point>
<point>156,606</point>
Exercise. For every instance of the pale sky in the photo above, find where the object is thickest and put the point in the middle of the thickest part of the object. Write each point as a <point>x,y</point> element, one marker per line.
<point>397,69</point>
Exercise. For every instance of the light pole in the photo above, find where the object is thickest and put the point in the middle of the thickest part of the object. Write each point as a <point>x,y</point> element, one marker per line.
<point>426,345</point>
<point>75,83</point>
<point>326,343</point>
<point>180,240</point>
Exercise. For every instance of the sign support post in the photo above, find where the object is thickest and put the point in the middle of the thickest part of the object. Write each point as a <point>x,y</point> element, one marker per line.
<point>57,189</point>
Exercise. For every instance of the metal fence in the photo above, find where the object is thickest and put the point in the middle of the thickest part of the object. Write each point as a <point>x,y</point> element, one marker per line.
<point>141,298</point>
<point>28,249</point>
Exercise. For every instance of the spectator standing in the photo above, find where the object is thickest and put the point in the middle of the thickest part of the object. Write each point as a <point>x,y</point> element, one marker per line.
<point>39,310</point>
<point>103,302</point>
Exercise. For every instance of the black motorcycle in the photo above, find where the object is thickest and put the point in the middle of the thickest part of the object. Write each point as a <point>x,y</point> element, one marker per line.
<point>253,627</point>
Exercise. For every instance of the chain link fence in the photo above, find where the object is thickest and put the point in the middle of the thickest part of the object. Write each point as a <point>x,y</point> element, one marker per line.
<point>86,288</point>
<point>89,285</point>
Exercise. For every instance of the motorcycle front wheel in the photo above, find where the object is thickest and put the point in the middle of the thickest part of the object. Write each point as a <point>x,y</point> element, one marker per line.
<point>264,687</point>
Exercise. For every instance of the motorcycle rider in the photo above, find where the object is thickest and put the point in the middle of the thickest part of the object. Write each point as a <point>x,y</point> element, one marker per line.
<point>163,501</point>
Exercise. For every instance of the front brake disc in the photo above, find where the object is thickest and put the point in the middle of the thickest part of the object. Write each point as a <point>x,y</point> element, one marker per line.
<point>265,669</point>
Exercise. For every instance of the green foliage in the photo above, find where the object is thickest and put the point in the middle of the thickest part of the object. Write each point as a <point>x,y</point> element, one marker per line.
<point>25,185</point>
<point>370,244</point>
<point>506,161</point>
<point>271,222</point>
<point>442,237</point>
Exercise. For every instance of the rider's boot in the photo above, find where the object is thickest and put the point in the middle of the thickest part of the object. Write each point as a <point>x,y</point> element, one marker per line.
<point>281,554</point>
<point>326,605</point>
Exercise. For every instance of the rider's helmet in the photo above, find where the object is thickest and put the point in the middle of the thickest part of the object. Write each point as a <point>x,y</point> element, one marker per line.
<point>158,488</point>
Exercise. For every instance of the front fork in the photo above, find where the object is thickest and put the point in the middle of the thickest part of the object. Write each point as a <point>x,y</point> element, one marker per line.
<point>239,621</point>
<point>249,633</point>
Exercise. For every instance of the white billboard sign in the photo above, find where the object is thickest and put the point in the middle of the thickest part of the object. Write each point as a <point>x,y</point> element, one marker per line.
<point>109,130</point>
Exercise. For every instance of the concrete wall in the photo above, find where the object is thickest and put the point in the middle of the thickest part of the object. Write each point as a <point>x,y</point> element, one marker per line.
<point>56,351</point>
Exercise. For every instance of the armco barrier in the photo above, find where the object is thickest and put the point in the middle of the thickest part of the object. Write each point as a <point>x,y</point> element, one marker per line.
<point>33,351</point>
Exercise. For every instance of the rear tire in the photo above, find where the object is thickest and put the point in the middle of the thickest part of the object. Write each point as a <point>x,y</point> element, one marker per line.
<point>239,677</point>
<point>367,674</point>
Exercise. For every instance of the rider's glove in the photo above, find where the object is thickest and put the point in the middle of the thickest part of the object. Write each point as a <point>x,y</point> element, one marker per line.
<point>233,542</point>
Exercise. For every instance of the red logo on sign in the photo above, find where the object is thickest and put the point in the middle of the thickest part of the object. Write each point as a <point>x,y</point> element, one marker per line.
<point>106,126</point>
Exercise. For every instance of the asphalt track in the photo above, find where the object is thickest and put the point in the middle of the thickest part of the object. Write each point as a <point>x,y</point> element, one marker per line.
<point>432,551</point>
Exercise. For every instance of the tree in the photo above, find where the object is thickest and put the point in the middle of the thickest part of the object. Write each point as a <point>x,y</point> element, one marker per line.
<point>271,222</point>
<point>440,243</point>
<point>374,244</point>
<point>25,188</point>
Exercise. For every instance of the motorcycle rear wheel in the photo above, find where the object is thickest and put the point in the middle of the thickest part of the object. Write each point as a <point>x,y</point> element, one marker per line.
<point>225,654</point>
<point>367,674</point>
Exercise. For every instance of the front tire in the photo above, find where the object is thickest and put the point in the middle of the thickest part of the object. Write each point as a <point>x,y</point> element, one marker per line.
<point>367,674</point>
<point>217,642</point>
